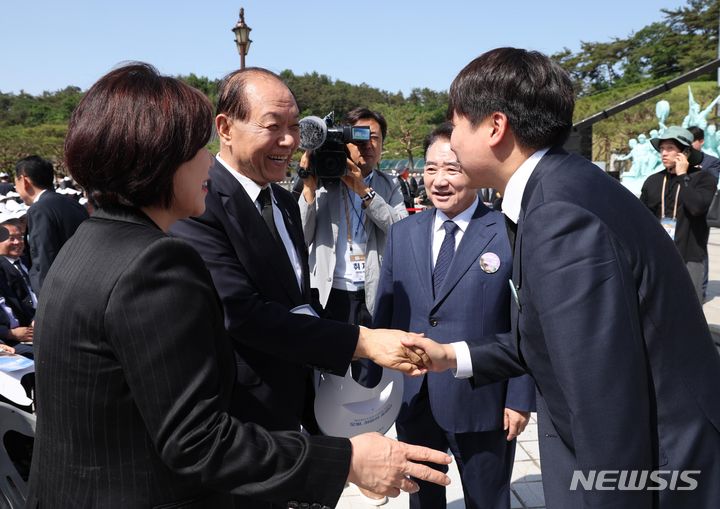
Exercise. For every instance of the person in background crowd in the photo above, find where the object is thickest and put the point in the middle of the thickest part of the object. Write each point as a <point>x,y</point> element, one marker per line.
<point>445,274</point>
<point>12,330</point>
<point>680,197</point>
<point>51,219</point>
<point>408,188</point>
<point>710,164</point>
<point>136,376</point>
<point>15,273</point>
<point>5,185</point>
<point>345,223</point>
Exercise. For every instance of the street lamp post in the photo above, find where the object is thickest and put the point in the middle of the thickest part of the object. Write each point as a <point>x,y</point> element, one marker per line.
<point>242,37</point>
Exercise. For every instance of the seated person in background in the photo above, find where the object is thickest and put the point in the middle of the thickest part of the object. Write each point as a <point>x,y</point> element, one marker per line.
<point>13,271</point>
<point>11,330</point>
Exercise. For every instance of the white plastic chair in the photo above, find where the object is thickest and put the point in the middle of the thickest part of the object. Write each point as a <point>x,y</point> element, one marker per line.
<point>13,488</point>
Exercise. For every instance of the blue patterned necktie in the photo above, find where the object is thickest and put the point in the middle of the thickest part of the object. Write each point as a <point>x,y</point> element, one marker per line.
<point>445,256</point>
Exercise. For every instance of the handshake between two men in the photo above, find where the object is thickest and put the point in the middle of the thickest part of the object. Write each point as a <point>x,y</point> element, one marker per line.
<point>385,466</point>
<point>408,352</point>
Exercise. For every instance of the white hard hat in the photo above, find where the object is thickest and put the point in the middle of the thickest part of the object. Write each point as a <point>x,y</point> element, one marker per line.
<point>344,408</point>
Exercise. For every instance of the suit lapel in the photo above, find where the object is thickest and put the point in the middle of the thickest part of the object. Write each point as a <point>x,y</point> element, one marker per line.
<point>255,239</point>
<point>294,228</point>
<point>549,161</point>
<point>476,238</point>
<point>421,249</point>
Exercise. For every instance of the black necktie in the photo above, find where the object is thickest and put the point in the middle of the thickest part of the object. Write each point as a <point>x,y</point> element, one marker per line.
<point>445,256</point>
<point>266,210</point>
<point>511,231</point>
<point>19,267</point>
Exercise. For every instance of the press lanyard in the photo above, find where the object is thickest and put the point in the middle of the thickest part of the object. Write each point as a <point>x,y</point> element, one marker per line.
<point>348,222</point>
<point>662,200</point>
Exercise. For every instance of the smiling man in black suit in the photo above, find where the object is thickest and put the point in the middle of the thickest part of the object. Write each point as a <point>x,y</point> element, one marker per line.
<point>251,240</point>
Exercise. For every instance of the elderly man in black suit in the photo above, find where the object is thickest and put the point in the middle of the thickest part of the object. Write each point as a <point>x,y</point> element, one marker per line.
<point>251,239</point>
<point>52,218</point>
<point>603,312</point>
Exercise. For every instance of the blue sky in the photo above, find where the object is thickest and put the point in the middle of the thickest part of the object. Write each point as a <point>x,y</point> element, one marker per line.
<point>390,44</point>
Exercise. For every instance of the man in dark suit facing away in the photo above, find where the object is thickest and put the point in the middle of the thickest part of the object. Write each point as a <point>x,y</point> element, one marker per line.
<point>603,312</point>
<point>51,219</point>
<point>251,240</point>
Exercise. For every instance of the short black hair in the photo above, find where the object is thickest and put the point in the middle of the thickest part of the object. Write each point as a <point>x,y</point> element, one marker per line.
<point>534,92</point>
<point>232,99</point>
<point>131,132</point>
<point>441,132</point>
<point>38,170</point>
<point>361,113</point>
<point>698,134</point>
<point>12,221</point>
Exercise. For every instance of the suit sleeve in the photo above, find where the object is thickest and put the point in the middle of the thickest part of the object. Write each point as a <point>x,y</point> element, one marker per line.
<point>44,242</point>
<point>382,317</point>
<point>158,319</point>
<point>582,289</point>
<point>258,322</point>
<point>520,394</point>
<point>383,212</point>
<point>308,215</point>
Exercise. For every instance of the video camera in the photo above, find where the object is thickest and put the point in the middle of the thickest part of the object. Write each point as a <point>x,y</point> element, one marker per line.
<point>327,143</point>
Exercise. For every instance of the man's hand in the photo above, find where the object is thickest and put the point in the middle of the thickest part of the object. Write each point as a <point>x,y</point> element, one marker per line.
<point>309,182</point>
<point>436,357</point>
<point>353,179</point>
<point>514,422</point>
<point>22,334</point>
<point>384,466</point>
<point>681,164</point>
<point>384,347</point>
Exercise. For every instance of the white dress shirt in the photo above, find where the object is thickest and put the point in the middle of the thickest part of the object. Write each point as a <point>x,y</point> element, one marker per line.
<point>26,276</point>
<point>462,220</point>
<point>253,191</point>
<point>512,202</point>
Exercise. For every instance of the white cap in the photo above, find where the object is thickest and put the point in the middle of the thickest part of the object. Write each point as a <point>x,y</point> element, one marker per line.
<point>344,408</point>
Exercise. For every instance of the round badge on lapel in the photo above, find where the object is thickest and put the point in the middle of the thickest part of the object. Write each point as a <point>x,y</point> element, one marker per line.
<point>489,263</point>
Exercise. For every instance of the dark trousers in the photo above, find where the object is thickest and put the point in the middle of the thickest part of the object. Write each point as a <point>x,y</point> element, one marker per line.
<point>350,307</point>
<point>484,458</point>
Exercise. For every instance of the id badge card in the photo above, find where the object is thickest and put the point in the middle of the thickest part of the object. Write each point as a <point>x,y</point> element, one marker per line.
<point>357,268</point>
<point>669,224</point>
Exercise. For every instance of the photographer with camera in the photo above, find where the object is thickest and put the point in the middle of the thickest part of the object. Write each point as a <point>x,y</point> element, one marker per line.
<point>346,216</point>
<point>346,219</point>
<point>680,197</point>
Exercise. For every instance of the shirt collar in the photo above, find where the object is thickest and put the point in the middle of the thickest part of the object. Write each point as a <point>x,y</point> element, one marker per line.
<point>251,187</point>
<point>37,196</point>
<point>462,219</point>
<point>512,199</point>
